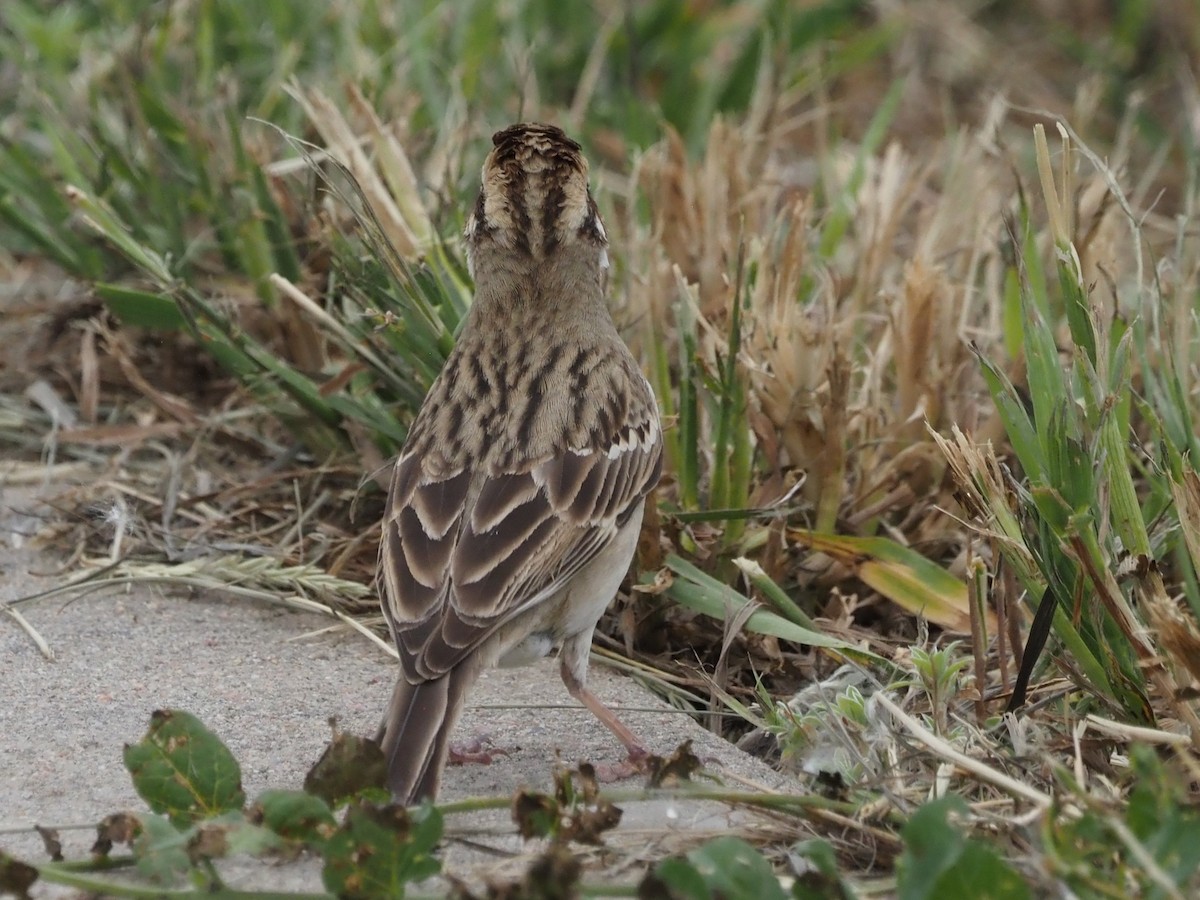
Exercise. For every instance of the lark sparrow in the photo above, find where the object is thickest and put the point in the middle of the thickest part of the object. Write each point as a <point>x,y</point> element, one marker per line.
<point>517,500</point>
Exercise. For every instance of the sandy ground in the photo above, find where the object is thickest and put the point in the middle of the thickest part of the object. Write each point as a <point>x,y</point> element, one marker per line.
<point>267,683</point>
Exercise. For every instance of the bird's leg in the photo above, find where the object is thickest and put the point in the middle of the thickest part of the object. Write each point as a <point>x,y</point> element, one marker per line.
<point>638,754</point>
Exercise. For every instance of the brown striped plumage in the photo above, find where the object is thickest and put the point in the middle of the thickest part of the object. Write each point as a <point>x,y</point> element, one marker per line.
<point>516,502</point>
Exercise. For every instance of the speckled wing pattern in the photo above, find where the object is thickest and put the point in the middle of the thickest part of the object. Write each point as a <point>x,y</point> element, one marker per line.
<point>468,547</point>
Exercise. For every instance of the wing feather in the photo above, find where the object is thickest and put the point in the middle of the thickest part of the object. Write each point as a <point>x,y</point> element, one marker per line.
<point>427,554</point>
<point>465,552</point>
<point>562,476</point>
<point>481,556</point>
<point>498,497</point>
<point>439,504</point>
<point>489,594</point>
<point>582,506</point>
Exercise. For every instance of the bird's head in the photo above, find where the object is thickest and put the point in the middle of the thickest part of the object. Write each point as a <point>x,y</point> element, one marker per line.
<point>534,204</point>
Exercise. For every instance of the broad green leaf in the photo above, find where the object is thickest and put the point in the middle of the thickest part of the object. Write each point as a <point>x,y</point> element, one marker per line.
<point>734,869</point>
<point>941,863</point>
<point>295,816</point>
<point>675,878</point>
<point>1163,819</point>
<point>902,575</point>
<point>247,839</point>
<point>726,867</point>
<point>378,850</point>
<point>182,769</point>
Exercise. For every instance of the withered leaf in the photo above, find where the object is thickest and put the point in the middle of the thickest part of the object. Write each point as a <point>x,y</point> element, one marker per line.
<point>52,843</point>
<point>118,828</point>
<point>679,766</point>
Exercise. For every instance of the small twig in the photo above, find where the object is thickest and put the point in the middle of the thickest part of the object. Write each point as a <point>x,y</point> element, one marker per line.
<point>1136,733</point>
<point>17,472</point>
<point>59,873</point>
<point>960,759</point>
<point>386,646</point>
<point>37,639</point>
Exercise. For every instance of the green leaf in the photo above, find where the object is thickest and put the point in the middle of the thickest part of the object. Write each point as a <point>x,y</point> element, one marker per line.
<point>901,574</point>
<point>1126,512</point>
<point>1054,510</point>
<point>1047,384</point>
<point>182,769</point>
<point>703,593</point>
<point>295,816</point>
<point>1079,314</point>
<point>1012,316</point>
<point>1161,816</point>
<point>734,869</point>
<point>247,839</point>
<point>844,204</point>
<point>940,863</point>
<point>676,879</point>
<point>226,835</point>
<point>158,312</point>
<point>777,596</point>
<point>727,868</point>
<point>378,850</point>
<point>1017,424</point>
<point>161,850</point>
<point>816,860</point>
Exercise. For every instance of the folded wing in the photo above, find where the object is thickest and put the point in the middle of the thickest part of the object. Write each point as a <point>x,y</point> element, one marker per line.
<point>465,552</point>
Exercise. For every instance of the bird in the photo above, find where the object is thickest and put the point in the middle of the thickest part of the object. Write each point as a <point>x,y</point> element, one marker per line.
<point>515,504</point>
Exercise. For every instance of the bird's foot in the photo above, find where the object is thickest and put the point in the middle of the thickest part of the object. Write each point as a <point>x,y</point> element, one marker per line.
<point>637,763</point>
<point>478,750</point>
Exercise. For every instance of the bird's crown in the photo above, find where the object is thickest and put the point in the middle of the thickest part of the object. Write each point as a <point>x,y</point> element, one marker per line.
<point>534,196</point>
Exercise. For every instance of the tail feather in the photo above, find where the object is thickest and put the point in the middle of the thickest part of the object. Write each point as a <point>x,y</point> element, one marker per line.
<point>415,735</point>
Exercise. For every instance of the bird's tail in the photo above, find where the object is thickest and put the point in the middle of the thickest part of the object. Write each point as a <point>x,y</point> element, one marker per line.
<point>415,735</point>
